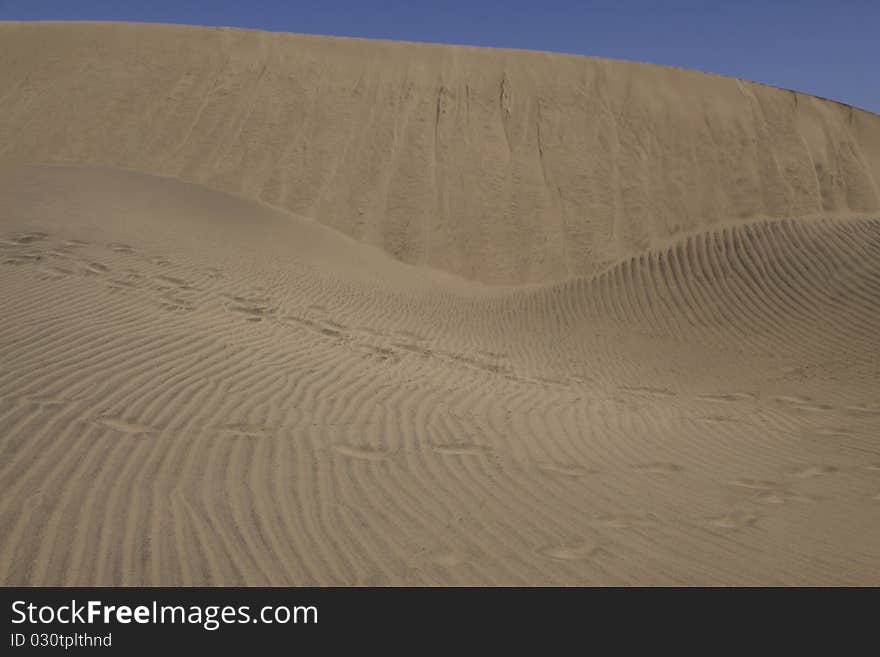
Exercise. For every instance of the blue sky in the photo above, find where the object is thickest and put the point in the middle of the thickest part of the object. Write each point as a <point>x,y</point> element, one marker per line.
<point>827,48</point>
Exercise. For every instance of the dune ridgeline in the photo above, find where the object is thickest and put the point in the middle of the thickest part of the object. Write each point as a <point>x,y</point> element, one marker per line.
<point>285,309</point>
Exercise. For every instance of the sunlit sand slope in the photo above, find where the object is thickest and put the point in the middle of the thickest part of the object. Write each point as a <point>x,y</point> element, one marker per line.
<point>200,389</point>
<point>502,166</point>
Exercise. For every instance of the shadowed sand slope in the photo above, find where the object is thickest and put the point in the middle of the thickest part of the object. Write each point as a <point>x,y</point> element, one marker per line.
<point>501,166</point>
<point>200,389</point>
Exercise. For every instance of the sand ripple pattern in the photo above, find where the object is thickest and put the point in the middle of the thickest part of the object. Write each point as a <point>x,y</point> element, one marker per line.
<point>179,412</point>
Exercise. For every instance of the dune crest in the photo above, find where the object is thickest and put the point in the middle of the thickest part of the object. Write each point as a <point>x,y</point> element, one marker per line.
<point>498,165</point>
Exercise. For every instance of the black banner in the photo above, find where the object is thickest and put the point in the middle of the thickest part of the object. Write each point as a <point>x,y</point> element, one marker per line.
<point>130,620</point>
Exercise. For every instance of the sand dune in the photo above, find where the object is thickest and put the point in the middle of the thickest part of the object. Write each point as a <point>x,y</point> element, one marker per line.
<point>499,165</point>
<point>296,310</point>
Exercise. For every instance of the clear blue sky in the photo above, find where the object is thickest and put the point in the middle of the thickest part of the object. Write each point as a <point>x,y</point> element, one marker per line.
<point>829,48</point>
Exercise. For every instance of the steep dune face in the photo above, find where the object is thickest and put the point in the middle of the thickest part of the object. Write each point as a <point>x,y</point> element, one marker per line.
<point>501,166</point>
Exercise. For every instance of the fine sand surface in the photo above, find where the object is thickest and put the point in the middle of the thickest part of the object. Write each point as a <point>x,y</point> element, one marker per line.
<point>278,309</point>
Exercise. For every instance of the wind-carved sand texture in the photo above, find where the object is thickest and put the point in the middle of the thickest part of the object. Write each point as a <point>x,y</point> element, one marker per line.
<point>280,309</point>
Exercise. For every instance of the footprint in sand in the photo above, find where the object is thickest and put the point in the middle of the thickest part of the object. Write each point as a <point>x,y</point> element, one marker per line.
<point>73,244</point>
<point>863,410</point>
<point>813,471</point>
<point>252,313</point>
<point>460,449</point>
<point>374,454</point>
<point>755,484</point>
<point>29,238</point>
<point>23,259</point>
<point>171,280</point>
<point>781,496</point>
<point>574,471</point>
<point>371,351</point>
<point>647,391</point>
<point>802,403</point>
<point>242,430</point>
<point>120,284</point>
<point>734,520</point>
<point>727,398</point>
<point>95,269</point>
<point>415,349</point>
<point>771,492</point>
<point>175,304</point>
